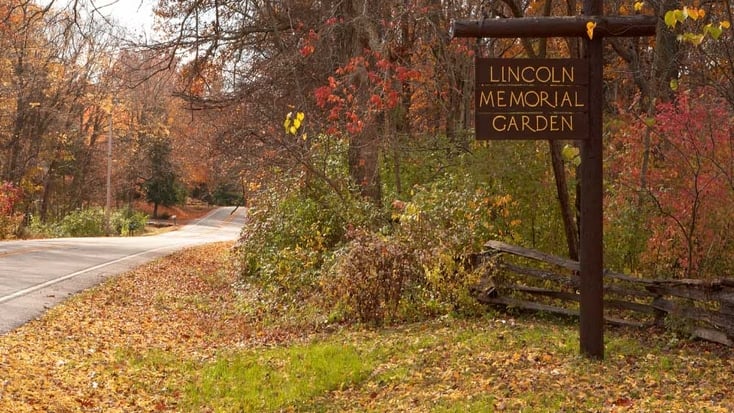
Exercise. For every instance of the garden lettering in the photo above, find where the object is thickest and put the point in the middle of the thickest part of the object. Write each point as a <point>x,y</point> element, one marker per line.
<point>531,99</point>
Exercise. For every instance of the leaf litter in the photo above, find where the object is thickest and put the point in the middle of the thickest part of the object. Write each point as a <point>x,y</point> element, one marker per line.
<point>138,341</point>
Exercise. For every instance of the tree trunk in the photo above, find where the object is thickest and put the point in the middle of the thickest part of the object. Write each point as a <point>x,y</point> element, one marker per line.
<point>567,210</point>
<point>363,165</point>
<point>364,146</point>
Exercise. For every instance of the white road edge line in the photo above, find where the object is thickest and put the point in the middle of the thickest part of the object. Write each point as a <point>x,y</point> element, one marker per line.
<point>48,283</point>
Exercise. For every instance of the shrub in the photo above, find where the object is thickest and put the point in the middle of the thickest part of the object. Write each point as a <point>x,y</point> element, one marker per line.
<point>673,218</point>
<point>298,221</point>
<point>128,221</point>
<point>289,233</point>
<point>89,222</point>
<point>42,229</point>
<point>416,265</point>
<point>371,276</point>
<point>447,223</point>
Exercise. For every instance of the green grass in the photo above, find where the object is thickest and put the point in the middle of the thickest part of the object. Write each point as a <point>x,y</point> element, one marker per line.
<point>273,379</point>
<point>452,365</point>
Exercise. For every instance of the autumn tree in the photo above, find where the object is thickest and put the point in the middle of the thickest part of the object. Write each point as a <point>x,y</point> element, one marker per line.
<point>676,61</point>
<point>378,61</point>
<point>26,65</point>
<point>56,102</point>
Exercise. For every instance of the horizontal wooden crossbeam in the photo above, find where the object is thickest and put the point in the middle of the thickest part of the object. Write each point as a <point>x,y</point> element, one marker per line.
<point>556,26</point>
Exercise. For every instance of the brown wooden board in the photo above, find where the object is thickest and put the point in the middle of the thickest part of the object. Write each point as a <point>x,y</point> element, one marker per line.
<point>556,26</point>
<point>531,99</point>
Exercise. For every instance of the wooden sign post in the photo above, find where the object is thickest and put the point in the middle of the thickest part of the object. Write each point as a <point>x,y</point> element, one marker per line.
<point>536,99</point>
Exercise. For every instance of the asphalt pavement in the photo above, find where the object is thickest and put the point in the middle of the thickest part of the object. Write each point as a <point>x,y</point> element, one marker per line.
<point>35,275</point>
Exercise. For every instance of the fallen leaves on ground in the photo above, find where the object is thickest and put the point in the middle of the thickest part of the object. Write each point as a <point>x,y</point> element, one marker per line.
<point>75,357</point>
<point>137,342</point>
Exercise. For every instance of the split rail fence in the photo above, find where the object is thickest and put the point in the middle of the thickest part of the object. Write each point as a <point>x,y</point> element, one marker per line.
<point>529,279</point>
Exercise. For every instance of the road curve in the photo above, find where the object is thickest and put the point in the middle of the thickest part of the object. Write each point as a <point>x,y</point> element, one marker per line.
<point>38,274</point>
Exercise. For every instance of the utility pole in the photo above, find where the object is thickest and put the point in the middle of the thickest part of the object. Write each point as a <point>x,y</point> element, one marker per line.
<point>108,203</point>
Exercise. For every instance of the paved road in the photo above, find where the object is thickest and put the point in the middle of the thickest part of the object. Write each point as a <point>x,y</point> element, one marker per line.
<point>38,274</point>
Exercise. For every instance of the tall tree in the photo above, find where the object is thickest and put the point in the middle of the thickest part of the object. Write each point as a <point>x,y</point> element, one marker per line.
<point>161,187</point>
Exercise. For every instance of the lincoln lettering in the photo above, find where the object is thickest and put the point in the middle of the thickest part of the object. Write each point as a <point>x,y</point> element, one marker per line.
<point>532,123</point>
<point>531,74</point>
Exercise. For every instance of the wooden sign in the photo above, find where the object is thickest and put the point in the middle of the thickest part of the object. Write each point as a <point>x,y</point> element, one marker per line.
<point>500,114</point>
<point>531,99</point>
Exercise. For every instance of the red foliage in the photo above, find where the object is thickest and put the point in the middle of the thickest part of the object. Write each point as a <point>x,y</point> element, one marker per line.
<point>322,95</point>
<point>352,104</point>
<point>308,43</point>
<point>9,197</point>
<point>306,50</point>
<point>690,182</point>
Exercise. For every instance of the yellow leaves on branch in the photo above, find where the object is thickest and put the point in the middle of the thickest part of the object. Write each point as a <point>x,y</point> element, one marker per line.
<point>714,30</point>
<point>673,17</point>
<point>293,123</point>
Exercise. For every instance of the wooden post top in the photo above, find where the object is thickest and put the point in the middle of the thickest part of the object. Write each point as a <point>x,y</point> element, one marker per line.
<point>556,26</point>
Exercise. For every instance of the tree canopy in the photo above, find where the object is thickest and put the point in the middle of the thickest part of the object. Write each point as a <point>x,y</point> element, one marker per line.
<point>387,100</point>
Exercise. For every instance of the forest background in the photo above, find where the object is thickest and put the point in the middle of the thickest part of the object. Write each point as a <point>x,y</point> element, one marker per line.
<point>347,127</point>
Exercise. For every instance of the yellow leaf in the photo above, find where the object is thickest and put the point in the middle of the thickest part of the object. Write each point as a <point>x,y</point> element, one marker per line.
<point>725,24</point>
<point>670,19</point>
<point>638,5</point>
<point>300,116</point>
<point>287,123</point>
<point>590,29</point>
<point>293,130</point>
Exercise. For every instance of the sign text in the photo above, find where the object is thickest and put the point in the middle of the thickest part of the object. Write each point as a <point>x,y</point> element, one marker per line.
<point>531,99</point>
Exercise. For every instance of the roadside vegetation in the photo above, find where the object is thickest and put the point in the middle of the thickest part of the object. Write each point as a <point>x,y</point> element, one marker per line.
<point>180,334</point>
<point>90,222</point>
<point>132,221</point>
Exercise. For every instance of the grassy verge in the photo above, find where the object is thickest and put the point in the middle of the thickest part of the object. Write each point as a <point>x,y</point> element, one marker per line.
<point>175,336</point>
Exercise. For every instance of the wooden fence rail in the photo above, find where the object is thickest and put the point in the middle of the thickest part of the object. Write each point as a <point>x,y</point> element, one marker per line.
<point>533,280</point>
